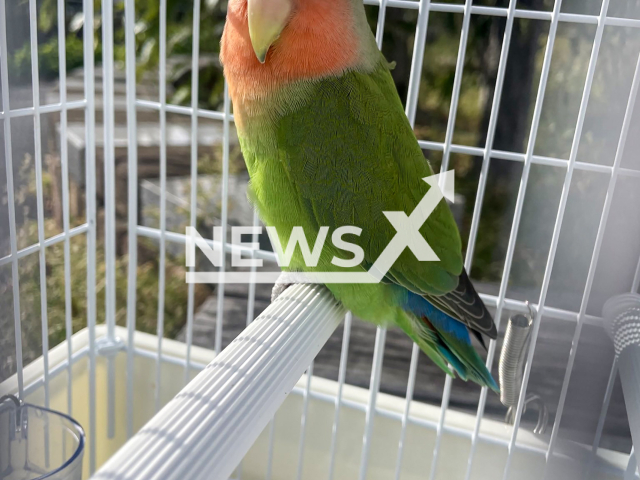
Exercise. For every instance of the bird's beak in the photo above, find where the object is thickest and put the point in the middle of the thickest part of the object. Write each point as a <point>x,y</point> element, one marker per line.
<point>267,19</point>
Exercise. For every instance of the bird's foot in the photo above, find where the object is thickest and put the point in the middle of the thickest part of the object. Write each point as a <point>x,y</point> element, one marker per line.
<point>285,280</point>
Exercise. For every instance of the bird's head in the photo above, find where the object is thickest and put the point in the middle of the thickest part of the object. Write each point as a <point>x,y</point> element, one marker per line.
<point>267,43</point>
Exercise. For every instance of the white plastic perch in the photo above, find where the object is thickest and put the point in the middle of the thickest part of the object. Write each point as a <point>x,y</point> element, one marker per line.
<point>206,430</point>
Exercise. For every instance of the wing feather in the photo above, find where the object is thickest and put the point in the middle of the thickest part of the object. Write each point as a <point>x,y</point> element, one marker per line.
<point>465,304</point>
<point>353,155</point>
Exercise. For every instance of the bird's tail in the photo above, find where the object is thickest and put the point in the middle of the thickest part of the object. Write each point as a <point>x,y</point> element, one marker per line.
<point>470,365</point>
<point>452,351</point>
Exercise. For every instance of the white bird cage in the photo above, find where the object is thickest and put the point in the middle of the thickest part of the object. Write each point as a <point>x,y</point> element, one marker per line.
<point>113,379</point>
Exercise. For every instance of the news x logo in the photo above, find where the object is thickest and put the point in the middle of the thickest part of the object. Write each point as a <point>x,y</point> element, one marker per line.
<point>407,236</point>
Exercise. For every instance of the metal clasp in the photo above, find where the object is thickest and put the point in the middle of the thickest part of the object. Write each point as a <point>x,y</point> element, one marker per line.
<point>512,362</point>
<point>108,347</point>
<point>16,404</point>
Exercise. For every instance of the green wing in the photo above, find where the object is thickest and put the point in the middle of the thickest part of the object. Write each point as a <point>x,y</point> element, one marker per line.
<point>352,154</point>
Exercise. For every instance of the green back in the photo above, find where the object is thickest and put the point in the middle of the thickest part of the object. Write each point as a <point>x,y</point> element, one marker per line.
<point>340,151</point>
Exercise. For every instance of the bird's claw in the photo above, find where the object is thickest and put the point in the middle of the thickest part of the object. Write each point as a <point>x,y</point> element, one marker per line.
<point>285,280</point>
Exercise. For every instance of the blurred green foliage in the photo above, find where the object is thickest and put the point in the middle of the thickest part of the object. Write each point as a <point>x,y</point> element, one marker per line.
<point>20,59</point>
<point>179,47</point>
<point>176,292</point>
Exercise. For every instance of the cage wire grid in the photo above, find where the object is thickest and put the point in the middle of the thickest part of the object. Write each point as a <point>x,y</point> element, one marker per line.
<point>89,228</point>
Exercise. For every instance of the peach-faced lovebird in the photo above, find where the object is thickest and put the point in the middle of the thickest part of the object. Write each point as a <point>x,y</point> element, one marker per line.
<point>327,144</point>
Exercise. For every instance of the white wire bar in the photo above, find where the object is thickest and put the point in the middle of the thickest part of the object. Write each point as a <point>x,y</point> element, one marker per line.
<point>4,81</point>
<point>596,255</point>
<point>251,300</point>
<point>457,83</point>
<point>110,200</point>
<point>558,224</point>
<point>502,12</point>
<point>163,199</point>
<point>603,413</point>
<point>64,163</point>
<point>59,238</point>
<point>181,238</point>
<point>425,144</point>
<point>413,368</point>
<point>195,77</point>
<point>183,110</point>
<point>418,58</point>
<point>43,109</point>
<point>272,441</point>
<point>522,157</point>
<point>444,406</point>
<point>90,198</point>
<point>223,216</point>
<point>109,159</point>
<point>132,199</point>
<point>251,303</point>
<point>303,422</point>
<point>382,14</point>
<point>37,140</point>
<point>342,372</point>
<point>374,387</point>
<point>428,145</point>
<point>284,339</point>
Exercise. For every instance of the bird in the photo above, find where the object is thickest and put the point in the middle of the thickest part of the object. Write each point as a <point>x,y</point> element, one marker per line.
<point>327,144</point>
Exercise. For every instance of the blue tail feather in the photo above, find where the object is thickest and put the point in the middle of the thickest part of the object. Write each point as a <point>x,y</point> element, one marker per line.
<point>420,307</point>
<point>453,341</point>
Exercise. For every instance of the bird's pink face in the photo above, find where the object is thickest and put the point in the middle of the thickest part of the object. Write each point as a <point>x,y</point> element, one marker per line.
<point>293,26</point>
<point>269,43</point>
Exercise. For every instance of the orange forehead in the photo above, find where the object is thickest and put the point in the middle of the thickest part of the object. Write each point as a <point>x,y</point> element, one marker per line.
<point>318,41</point>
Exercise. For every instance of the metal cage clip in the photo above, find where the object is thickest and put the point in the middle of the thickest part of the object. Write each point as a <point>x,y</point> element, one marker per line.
<point>16,404</point>
<point>512,361</point>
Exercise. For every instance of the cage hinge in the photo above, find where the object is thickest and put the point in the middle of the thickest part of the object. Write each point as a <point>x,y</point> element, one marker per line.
<point>109,347</point>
